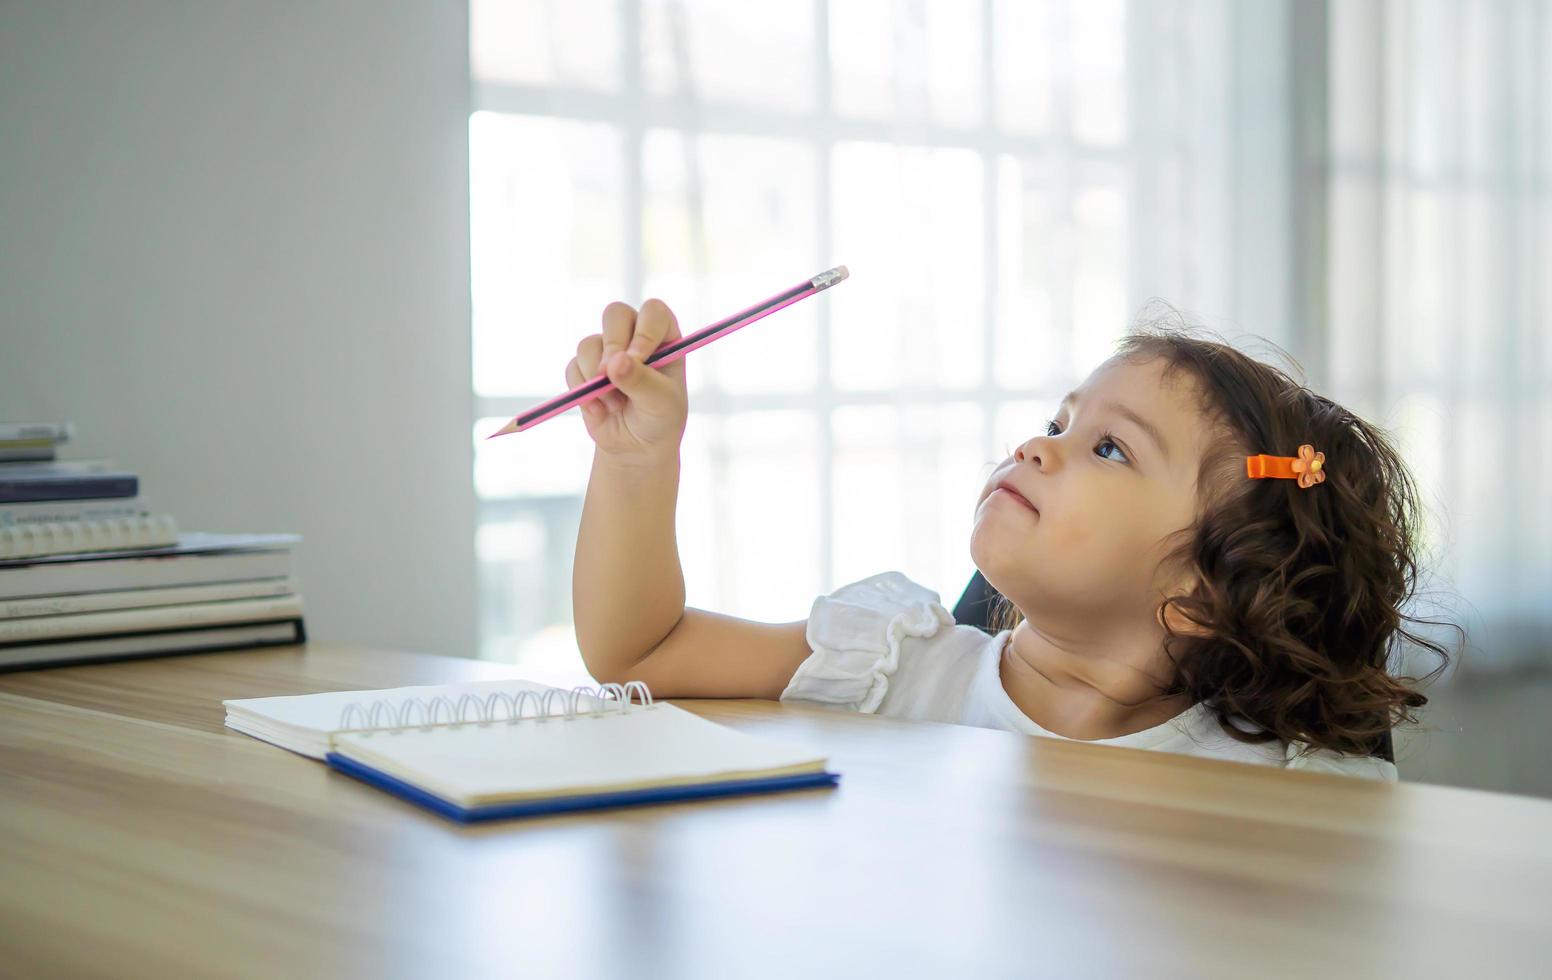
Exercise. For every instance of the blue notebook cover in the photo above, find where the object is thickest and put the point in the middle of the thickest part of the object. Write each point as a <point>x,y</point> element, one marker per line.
<point>568,804</point>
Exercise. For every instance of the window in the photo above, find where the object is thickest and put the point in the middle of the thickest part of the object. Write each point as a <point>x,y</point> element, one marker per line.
<point>979,166</point>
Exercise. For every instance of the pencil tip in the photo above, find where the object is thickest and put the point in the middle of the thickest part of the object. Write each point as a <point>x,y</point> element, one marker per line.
<point>509,427</point>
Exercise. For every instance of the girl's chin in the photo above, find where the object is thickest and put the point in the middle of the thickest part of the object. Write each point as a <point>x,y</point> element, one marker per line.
<point>994,549</point>
<point>1007,528</point>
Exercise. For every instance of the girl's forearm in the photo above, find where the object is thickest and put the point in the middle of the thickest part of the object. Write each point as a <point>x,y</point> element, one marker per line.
<point>627,587</point>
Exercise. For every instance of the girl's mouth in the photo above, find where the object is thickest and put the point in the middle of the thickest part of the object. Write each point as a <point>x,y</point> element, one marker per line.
<point>1007,489</point>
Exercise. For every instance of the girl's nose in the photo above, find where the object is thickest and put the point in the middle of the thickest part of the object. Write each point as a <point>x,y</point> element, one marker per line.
<point>1037,451</point>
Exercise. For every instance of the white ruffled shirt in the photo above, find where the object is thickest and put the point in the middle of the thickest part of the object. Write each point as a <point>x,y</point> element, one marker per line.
<point>886,645</point>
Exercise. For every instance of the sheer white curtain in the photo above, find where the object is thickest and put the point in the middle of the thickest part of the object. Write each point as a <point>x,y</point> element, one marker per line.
<point>1440,312</point>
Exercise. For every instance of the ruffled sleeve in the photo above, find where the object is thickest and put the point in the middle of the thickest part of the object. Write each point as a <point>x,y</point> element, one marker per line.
<point>856,633</point>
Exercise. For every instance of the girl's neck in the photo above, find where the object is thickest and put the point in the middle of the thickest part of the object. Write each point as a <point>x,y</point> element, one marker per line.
<point>1104,691</point>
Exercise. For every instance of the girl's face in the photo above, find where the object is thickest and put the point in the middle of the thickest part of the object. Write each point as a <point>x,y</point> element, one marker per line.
<point>1073,527</point>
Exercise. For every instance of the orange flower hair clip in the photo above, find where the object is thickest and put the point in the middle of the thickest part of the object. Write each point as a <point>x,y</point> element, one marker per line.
<point>1309,467</point>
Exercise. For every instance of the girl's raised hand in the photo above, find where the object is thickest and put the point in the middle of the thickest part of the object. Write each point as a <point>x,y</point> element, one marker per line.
<point>643,419</point>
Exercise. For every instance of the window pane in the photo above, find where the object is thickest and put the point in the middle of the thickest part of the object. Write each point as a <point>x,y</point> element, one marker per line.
<point>891,58</point>
<point>754,54</point>
<point>904,492</point>
<point>545,230</point>
<point>545,42</point>
<point>552,458</point>
<point>1031,258</point>
<point>1024,59</point>
<point>511,555</point>
<point>748,514</point>
<point>1098,71</point>
<point>1099,276</point>
<point>861,58</point>
<point>746,234</point>
<point>908,223</point>
<point>955,91</point>
<point>525,591</point>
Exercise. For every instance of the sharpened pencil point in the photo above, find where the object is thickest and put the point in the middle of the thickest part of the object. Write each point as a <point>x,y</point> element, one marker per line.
<point>509,427</point>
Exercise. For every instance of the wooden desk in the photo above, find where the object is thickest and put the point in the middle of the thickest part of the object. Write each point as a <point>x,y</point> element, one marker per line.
<point>139,836</point>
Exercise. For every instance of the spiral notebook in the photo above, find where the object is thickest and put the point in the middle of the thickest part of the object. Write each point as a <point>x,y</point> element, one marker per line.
<point>74,537</point>
<point>494,749</point>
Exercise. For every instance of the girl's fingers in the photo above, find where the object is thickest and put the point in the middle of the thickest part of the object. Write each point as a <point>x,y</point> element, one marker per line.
<point>591,411</point>
<point>639,334</point>
<point>590,355</point>
<point>655,322</point>
<point>619,320</point>
<point>604,403</point>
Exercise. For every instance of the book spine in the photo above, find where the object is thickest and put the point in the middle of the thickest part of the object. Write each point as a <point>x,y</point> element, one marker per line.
<point>59,467</point>
<point>54,511</point>
<point>147,620</point>
<point>56,605</point>
<point>16,489</point>
<point>34,578</point>
<point>52,431</point>
<point>26,451</point>
<point>84,537</point>
<point>196,640</point>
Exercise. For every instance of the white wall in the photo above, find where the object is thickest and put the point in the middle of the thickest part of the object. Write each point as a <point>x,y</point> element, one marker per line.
<point>234,249</point>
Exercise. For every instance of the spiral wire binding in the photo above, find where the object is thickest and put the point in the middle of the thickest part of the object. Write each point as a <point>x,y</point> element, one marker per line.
<point>383,715</point>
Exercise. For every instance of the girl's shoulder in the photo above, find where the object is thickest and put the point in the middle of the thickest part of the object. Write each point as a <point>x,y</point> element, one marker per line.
<point>887,602</point>
<point>885,592</point>
<point>881,631</point>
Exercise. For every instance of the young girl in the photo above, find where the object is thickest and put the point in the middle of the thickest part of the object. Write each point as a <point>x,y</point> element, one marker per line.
<point>1168,585</point>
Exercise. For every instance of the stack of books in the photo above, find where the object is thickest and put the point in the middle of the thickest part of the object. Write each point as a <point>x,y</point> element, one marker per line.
<point>88,571</point>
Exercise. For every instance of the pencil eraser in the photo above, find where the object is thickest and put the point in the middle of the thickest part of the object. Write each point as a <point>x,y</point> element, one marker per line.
<point>829,277</point>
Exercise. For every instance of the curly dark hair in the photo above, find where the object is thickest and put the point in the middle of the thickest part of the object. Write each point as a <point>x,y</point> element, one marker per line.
<point>1301,593</point>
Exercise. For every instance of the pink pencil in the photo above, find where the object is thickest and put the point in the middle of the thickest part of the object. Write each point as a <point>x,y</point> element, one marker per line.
<point>589,390</point>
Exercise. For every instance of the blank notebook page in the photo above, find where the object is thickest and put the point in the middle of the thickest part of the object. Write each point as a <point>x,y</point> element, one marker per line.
<point>661,745</point>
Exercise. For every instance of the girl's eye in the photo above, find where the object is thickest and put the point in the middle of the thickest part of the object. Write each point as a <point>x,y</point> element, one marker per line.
<point>1053,429</point>
<point>1107,442</point>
